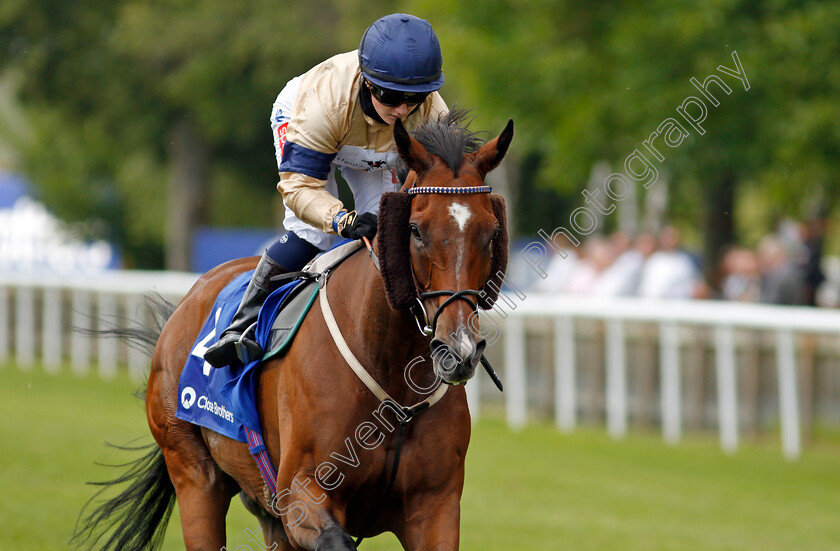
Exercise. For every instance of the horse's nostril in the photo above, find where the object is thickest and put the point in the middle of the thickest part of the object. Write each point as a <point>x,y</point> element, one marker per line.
<point>444,356</point>
<point>438,349</point>
<point>452,366</point>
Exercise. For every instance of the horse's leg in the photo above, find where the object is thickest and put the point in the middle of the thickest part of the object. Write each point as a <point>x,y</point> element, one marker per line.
<point>310,515</point>
<point>433,524</point>
<point>204,492</point>
<point>272,527</point>
<point>202,489</point>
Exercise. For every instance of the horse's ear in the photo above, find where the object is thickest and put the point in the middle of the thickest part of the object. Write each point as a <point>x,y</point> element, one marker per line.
<point>413,154</point>
<point>499,258</point>
<point>491,154</point>
<point>409,180</point>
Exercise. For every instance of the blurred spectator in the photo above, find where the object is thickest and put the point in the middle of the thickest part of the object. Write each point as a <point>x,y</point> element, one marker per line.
<point>669,272</point>
<point>623,276</point>
<point>596,258</point>
<point>813,237</point>
<point>741,279</point>
<point>781,280</point>
<point>791,234</point>
<point>828,294</point>
<point>559,269</point>
<point>786,268</point>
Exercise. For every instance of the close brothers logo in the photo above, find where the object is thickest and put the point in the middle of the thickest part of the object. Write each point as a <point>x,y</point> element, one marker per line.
<point>188,399</point>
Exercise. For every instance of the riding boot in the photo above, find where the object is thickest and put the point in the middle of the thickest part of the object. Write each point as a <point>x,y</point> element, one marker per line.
<point>237,345</point>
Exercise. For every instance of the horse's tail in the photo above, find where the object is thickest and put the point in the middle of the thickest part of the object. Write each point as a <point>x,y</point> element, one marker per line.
<point>139,514</point>
<point>136,518</point>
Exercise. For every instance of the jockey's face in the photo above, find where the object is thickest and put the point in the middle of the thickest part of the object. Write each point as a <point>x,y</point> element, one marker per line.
<point>390,113</point>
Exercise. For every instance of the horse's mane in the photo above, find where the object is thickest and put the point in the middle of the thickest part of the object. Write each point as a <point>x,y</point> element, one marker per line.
<point>449,138</point>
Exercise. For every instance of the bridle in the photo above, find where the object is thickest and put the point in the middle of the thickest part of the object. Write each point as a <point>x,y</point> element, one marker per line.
<point>417,309</point>
<point>419,313</point>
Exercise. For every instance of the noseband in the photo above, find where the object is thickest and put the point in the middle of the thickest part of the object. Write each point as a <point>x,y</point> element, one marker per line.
<point>418,310</point>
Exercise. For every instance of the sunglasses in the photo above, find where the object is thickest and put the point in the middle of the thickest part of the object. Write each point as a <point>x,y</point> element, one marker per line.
<point>393,98</point>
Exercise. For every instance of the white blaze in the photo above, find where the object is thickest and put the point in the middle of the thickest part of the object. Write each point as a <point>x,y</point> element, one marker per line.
<point>466,343</point>
<point>460,213</point>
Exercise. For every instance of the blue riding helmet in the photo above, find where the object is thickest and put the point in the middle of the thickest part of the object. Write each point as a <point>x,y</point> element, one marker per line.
<point>401,52</point>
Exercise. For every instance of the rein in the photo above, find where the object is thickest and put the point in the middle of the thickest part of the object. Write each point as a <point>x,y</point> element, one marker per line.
<point>360,370</point>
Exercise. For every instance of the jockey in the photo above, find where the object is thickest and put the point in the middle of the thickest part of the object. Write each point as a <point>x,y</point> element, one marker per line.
<point>339,115</point>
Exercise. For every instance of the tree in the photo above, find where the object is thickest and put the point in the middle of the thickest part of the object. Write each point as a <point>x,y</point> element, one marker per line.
<point>121,92</point>
<point>151,118</point>
<point>591,81</point>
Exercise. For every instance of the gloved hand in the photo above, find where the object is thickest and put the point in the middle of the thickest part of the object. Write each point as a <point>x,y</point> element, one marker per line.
<point>357,226</point>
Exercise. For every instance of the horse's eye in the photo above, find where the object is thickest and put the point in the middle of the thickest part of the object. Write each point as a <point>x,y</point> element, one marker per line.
<point>415,231</point>
<point>495,234</point>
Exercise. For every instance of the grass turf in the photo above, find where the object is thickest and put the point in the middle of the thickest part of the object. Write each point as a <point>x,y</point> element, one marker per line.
<point>536,489</point>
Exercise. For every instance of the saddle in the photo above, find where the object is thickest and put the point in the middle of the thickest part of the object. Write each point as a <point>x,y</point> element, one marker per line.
<point>223,399</point>
<point>292,301</point>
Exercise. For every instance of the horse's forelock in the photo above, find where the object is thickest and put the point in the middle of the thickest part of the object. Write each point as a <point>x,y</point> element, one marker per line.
<point>449,139</point>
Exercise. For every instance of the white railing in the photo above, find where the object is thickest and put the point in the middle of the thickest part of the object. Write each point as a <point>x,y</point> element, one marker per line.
<point>39,311</point>
<point>722,317</point>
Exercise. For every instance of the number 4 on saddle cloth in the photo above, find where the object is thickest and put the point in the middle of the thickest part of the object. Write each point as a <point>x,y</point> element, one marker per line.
<point>223,399</point>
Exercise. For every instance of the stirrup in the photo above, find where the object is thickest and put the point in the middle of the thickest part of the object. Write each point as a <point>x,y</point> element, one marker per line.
<point>248,350</point>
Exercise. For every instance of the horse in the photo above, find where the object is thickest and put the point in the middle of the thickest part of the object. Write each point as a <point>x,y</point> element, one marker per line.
<point>343,468</point>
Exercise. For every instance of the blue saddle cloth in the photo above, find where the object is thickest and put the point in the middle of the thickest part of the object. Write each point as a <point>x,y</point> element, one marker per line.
<point>222,399</point>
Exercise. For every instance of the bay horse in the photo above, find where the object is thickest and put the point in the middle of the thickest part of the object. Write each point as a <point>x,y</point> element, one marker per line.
<point>442,251</point>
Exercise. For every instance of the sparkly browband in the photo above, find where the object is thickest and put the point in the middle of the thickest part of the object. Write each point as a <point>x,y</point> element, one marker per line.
<point>471,189</point>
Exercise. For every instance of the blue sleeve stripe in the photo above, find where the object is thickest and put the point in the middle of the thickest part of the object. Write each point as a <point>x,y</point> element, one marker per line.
<point>303,160</point>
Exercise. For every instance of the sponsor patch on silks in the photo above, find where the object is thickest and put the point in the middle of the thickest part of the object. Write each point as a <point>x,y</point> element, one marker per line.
<point>222,399</point>
<point>281,136</point>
